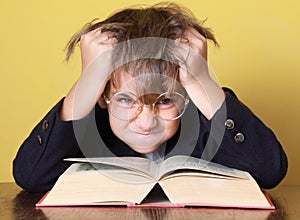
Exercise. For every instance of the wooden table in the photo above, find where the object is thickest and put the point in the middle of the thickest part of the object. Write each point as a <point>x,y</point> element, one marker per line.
<point>18,204</point>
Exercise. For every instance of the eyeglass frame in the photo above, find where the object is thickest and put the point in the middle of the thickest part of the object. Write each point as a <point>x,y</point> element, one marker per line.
<point>185,98</point>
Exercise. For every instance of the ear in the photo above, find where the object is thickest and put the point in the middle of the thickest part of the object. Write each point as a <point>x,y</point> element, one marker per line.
<point>102,103</point>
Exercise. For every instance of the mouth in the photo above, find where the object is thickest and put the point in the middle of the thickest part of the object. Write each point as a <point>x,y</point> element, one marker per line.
<point>144,141</point>
<point>143,134</point>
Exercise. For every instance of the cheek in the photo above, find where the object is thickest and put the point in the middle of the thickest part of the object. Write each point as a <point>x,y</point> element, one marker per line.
<point>117,126</point>
<point>171,128</point>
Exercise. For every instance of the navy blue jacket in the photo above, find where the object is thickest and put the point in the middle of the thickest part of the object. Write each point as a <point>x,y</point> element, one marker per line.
<point>247,144</point>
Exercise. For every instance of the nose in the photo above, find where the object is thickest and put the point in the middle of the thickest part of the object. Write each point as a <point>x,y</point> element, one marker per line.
<point>146,119</point>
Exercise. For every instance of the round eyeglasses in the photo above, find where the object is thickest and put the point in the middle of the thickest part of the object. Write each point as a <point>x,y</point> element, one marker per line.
<point>127,106</point>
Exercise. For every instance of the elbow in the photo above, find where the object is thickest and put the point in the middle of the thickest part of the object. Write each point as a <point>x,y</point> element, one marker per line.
<point>22,179</point>
<point>274,175</point>
<point>31,186</point>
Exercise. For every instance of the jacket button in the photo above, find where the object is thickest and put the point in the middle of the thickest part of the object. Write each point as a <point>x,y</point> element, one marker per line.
<point>45,125</point>
<point>39,139</point>
<point>239,138</point>
<point>229,124</point>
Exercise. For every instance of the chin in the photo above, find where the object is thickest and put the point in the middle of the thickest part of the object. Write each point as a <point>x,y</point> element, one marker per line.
<point>145,150</point>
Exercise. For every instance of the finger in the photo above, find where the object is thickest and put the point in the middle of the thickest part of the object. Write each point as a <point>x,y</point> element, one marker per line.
<point>191,37</point>
<point>89,36</point>
<point>112,40</point>
<point>195,33</point>
<point>97,35</point>
<point>181,49</point>
<point>92,34</point>
<point>106,38</point>
<point>194,37</point>
<point>183,40</point>
<point>197,42</point>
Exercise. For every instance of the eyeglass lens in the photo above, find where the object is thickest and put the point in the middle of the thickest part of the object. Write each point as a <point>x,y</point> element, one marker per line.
<point>127,106</point>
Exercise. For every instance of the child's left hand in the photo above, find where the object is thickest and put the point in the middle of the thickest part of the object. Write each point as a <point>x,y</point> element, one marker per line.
<point>194,51</point>
<point>194,73</point>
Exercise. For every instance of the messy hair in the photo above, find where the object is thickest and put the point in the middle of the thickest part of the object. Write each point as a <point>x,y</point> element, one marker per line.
<point>162,20</point>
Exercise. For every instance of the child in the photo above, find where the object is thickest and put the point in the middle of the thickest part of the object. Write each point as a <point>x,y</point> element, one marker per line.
<point>141,69</point>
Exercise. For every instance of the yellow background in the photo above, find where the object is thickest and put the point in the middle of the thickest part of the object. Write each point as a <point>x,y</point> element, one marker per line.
<point>258,58</point>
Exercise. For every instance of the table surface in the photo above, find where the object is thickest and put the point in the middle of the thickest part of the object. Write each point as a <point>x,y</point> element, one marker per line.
<point>16,203</point>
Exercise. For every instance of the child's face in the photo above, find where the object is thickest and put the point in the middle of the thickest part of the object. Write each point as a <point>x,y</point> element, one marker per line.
<point>141,128</point>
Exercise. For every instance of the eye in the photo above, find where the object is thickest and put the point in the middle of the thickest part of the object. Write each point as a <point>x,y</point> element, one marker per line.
<point>164,101</point>
<point>125,100</point>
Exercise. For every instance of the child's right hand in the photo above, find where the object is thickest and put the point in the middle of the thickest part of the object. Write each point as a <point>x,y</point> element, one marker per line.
<point>93,44</point>
<point>87,90</point>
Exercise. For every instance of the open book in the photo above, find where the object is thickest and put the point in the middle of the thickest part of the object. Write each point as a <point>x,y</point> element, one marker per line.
<point>132,181</point>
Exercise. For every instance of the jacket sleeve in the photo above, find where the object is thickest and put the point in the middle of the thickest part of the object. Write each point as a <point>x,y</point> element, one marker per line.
<point>248,144</point>
<point>39,161</point>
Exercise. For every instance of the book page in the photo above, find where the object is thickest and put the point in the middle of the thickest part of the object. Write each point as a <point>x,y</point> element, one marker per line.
<point>82,184</point>
<point>186,162</point>
<point>220,192</point>
<point>189,172</point>
<point>139,164</point>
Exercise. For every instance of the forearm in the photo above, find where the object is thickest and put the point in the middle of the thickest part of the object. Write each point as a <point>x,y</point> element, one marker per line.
<point>83,96</point>
<point>206,95</point>
<point>250,145</point>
